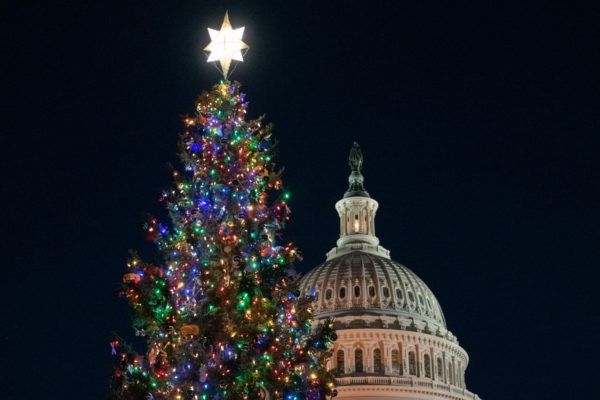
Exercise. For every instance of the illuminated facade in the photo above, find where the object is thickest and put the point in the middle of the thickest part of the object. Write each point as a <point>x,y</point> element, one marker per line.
<point>392,341</point>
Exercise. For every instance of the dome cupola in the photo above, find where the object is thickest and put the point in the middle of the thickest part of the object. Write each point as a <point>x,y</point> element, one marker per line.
<point>392,337</point>
<point>357,214</point>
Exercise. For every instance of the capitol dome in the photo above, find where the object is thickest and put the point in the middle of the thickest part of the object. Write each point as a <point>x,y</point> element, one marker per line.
<point>393,341</point>
<point>363,284</point>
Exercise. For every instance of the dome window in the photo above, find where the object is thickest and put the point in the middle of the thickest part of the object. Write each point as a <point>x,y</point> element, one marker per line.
<point>399,293</point>
<point>440,368</point>
<point>356,291</point>
<point>412,363</point>
<point>411,297</point>
<point>342,292</point>
<point>421,300</point>
<point>386,292</point>
<point>377,367</point>
<point>429,303</point>
<point>358,361</point>
<point>396,366</point>
<point>372,291</point>
<point>427,365</point>
<point>328,294</point>
<point>340,361</point>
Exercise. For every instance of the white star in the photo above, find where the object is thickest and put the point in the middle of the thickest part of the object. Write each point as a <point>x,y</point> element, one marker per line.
<point>226,45</point>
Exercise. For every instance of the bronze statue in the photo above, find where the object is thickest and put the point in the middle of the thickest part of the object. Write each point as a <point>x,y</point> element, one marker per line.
<point>355,161</point>
<point>355,158</point>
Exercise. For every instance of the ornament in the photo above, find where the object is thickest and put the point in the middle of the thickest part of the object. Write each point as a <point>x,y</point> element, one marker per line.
<point>203,374</point>
<point>139,332</point>
<point>152,235</point>
<point>131,278</point>
<point>264,145</point>
<point>263,394</point>
<point>113,347</point>
<point>152,355</point>
<point>153,271</point>
<point>191,329</point>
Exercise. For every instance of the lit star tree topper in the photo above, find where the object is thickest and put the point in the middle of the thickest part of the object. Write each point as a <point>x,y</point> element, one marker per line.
<point>226,45</point>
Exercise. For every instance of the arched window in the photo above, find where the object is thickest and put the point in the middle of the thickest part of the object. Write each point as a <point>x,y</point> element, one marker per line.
<point>396,366</point>
<point>450,374</point>
<point>372,291</point>
<point>328,294</point>
<point>412,363</point>
<point>377,367</point>
<point>399,294</point>
<point>358,360</point>
<point>386,292</point>
<point>427,365</point>
<point>342,292</point>
<point>440,368</point>
<point>356,291</point>
<point>340,361</point>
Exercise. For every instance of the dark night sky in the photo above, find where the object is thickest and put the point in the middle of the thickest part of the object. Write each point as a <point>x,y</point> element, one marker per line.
<point>480,129</point>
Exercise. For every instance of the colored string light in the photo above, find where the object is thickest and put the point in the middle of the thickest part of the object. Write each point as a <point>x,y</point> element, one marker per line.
<point>221,312</point>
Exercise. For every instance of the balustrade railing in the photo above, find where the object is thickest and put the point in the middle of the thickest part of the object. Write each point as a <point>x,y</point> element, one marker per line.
<point>404,381</point>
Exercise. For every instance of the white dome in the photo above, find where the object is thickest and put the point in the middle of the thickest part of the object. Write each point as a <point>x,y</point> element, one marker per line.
<point>392,341</point>
<point>361,284</point>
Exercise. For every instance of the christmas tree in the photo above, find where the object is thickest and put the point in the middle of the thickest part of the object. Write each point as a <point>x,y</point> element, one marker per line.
<point>221,313</point>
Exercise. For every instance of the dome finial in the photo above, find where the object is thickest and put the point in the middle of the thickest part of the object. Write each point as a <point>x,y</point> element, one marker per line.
<point>355,161</point>
<point>355,158</point>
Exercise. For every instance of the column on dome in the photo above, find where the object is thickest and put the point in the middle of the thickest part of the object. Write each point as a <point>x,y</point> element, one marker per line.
<point>432,358</point>
<point>387,358</point>
<point>451,370</point>
<point>444,374</point>
<point>454,374</point>
<point>364,293</point>
<point>368,357</point>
